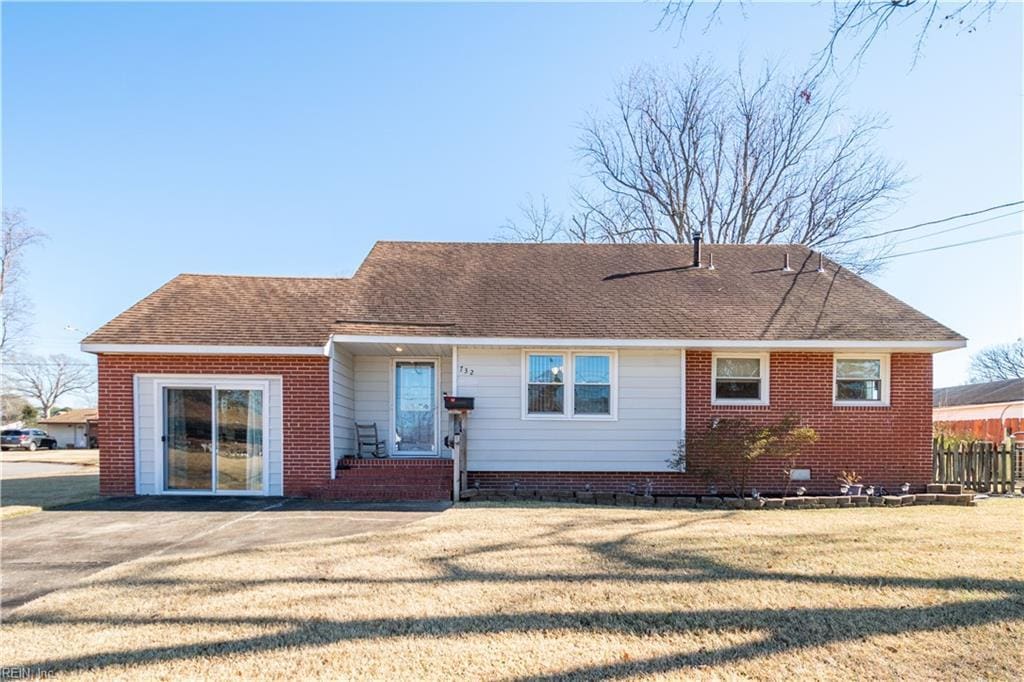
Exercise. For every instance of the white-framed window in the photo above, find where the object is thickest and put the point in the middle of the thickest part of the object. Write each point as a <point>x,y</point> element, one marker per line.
<point>739,378</point>
<point>860,379</point>
<point>592,385</point>
<point>570,384</point>
<point>545,385</point>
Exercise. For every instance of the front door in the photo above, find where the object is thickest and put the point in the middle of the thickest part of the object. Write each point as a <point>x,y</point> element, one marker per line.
<point>415,408</point>
<point>213,439</point>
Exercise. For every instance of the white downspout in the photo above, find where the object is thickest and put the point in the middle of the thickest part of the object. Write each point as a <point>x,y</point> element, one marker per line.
<point>331,360</point>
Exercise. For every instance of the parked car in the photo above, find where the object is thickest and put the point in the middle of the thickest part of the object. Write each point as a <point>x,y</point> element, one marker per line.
<point>26,439</point>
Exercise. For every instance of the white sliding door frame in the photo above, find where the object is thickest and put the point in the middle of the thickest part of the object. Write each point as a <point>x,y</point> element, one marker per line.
<point>212,384</point>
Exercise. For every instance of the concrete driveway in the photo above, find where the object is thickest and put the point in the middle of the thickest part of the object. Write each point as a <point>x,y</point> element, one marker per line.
<point>46,551</point>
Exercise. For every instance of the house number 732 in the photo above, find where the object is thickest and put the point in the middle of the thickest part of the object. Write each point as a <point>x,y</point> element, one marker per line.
<point>465,370</point>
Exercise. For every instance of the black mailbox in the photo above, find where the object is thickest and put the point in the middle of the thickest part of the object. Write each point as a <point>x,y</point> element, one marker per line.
<point>457,404</point>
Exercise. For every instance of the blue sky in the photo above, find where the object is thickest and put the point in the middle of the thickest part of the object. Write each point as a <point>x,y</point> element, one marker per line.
<point>149,140</point>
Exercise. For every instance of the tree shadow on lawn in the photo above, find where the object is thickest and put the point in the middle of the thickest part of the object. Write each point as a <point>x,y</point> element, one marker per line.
<point>780,629</point>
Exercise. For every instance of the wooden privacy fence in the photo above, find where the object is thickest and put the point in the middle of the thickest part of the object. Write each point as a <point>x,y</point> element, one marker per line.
<point>978,466</point>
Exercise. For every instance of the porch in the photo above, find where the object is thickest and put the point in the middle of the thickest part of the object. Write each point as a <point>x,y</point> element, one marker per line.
<point>398,390</point>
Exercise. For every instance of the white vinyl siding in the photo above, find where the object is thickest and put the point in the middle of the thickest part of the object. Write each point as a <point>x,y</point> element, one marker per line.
<point>344,404</point>
<point>149,428</point>
<point>648,427</point>
<point>373,378</point>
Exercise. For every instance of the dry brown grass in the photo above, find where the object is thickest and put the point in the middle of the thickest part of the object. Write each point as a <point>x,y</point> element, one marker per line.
<point>554,592</point>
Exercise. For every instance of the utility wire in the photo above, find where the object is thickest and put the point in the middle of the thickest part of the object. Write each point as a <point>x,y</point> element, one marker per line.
<point>959,227</point>
<point>950,246</point>
<point>926,224</point>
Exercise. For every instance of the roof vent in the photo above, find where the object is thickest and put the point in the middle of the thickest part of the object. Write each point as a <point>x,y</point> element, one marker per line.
<point>711,261</point>
<point>785,265</point>
<point>696,248</point>
<point>821,262</point>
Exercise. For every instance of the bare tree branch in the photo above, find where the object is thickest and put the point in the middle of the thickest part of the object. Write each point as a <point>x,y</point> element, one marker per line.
<point>538,223</point>
<point>857,23</point>
<point>47,380</point>
<point>999,362</point>
<point>739,160</point>
<point>15,239</point>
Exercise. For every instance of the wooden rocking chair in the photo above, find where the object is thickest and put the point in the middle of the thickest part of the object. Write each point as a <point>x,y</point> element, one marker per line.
<point>368,441</point>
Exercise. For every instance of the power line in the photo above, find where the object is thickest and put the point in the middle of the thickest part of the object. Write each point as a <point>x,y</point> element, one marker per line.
<point>960,227</point>
<point>926,224</point>
<point>950,246</point>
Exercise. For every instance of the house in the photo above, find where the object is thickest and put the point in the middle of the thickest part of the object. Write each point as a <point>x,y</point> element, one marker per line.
<point>75,428</point>
<point>986,411</point>
<point>588,363</point>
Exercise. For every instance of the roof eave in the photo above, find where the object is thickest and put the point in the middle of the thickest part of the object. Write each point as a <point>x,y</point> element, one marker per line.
<point>920,346</point>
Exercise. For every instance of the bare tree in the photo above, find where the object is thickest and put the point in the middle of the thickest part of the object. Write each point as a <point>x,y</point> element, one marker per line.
<point>738,160</point>
<point>999,362</point>
<point>537,223</point>
<point>17,236</point>
<point>47,380</point>
<point>859,22</point>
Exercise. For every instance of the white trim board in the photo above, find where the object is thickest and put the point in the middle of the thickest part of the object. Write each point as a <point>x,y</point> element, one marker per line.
<point>791,344</point>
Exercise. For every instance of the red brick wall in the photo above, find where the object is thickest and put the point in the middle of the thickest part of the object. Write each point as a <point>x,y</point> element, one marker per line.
<point>306,419</point>
<point>390,480</point>
<point>885,445</point>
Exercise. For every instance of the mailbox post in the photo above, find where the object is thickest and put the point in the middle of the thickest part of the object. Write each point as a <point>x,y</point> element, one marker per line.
<point>459,408</point>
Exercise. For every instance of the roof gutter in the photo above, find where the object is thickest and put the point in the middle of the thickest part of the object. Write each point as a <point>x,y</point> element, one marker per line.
<point>790,344</point>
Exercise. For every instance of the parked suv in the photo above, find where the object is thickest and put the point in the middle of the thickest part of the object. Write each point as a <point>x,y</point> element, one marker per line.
<point>26,439</point>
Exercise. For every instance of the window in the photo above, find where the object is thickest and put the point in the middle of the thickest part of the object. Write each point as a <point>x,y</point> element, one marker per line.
<point>545,384</point>
<point>569,385</point>
<point>861,380</point>
<point>592,386</point>
<point>740,379</point>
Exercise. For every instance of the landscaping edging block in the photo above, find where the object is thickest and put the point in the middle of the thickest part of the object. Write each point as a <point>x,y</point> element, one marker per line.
<point>716,502</point>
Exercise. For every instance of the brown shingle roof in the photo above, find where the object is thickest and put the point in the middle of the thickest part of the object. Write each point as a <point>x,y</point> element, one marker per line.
<point>614,291</point>
<point>74,416</point>
<point>1005,391</point>
<point>231,311</point>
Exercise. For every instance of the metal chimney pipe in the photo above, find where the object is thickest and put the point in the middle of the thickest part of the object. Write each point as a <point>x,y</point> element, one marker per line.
<point>696,248</point>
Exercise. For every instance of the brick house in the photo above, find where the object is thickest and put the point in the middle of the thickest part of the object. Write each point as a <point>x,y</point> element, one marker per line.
<point>587,363</point>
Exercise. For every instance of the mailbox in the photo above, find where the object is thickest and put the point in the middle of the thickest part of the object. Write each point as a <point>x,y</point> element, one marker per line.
<point>454,403</point>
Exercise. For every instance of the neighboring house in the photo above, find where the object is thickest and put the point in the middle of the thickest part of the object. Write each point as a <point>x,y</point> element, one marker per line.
<point>985,411</point>
<point>587,362</point>
<point>76,428</point>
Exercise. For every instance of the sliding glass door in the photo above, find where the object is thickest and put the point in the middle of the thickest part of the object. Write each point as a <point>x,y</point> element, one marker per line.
<point>213,439</point>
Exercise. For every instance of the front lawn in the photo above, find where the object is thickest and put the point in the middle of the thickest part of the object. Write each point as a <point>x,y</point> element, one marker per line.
<point>31,494</point>
<point>551,592</point>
